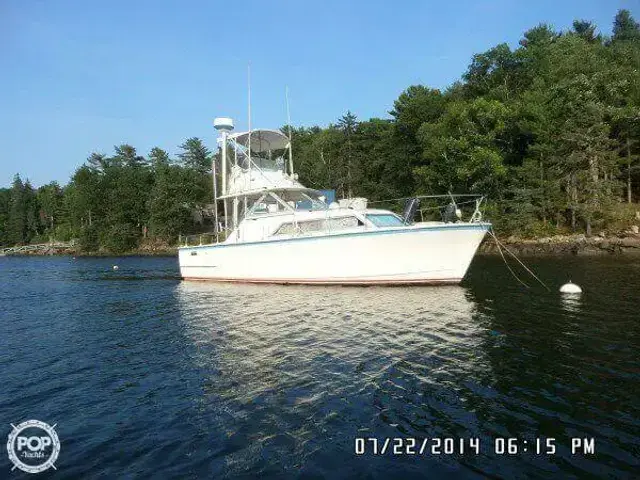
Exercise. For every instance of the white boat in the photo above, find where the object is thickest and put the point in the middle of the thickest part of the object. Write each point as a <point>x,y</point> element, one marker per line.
<point>278,231</point>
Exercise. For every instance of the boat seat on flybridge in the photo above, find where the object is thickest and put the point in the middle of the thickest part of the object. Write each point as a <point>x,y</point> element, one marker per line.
<point>410,209</point>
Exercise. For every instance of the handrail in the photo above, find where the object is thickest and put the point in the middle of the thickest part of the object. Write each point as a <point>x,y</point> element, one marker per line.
<point>475,215</point>
<point>446,195</point>
<point>200,238</point>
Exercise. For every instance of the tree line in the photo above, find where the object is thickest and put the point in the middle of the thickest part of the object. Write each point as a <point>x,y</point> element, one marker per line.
<point>549,131</point>
<point>113,203</point>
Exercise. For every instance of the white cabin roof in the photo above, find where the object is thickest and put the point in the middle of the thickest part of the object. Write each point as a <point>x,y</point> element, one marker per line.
<point>262,140</point>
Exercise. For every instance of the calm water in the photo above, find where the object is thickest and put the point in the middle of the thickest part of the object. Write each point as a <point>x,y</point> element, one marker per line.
<point>146,375</point>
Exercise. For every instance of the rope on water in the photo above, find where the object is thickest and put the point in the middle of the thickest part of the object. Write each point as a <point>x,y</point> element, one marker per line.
<point>500,244</point>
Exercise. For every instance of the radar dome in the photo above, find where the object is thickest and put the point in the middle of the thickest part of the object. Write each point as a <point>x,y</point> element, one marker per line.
<point>223,123</point>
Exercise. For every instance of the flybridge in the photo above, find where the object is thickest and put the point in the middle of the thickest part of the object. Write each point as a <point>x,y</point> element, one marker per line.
<point>251,163</point>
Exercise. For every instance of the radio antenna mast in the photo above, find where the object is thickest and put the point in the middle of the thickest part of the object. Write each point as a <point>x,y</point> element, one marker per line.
<point>249,114</point>
<point>286,94</point>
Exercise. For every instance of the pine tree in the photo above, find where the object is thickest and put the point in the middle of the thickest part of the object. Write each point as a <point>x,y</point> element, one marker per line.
<point>5,201</point>
<point>347,125</point>
<point>17,224</point>
<point>195,155</point>
<point>625,28</point>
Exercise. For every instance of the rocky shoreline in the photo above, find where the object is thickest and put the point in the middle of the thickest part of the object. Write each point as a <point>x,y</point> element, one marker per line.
<point>153,249</point>
<point>626,243</point>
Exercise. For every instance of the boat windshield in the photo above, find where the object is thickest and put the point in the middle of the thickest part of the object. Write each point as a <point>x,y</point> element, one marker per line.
<point>303,200</point>
<point>385,220</point>
<point>287,200</point>
<point>310,203</point>
<point>269,160</point>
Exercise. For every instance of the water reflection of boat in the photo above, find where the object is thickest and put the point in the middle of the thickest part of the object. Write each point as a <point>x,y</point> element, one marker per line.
<point>279,231</point>
<point>263,334</point>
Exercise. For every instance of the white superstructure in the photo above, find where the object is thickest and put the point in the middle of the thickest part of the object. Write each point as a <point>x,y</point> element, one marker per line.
<point>279,231</point>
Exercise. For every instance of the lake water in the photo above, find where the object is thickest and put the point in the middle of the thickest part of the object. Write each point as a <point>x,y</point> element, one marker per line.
<point>148,376</point>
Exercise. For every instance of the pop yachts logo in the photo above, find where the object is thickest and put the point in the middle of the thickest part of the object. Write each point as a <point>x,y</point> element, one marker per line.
<point>33,446</point>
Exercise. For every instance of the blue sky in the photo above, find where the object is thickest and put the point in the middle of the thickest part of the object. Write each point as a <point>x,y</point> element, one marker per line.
<point>83,76</point>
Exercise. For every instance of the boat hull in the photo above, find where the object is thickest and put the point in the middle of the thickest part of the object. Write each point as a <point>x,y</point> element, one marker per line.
<point>396,256</point>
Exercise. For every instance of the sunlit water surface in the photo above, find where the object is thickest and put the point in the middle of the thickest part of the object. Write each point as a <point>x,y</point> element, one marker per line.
<point>146,375</point>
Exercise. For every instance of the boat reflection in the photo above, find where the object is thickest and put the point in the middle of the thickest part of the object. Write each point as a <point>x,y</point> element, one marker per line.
<point>346,321</point>
<point>307,355</point>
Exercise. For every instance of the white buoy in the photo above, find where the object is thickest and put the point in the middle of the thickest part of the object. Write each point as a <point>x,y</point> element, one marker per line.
<point>115,267</point>
<point>570,288</point>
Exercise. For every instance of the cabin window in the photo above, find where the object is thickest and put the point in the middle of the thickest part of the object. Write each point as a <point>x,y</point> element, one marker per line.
<point>343,222</point>
<point>311,226</point>
<point>385,220</point>
<point>304,227</point>
<point>320,225</point>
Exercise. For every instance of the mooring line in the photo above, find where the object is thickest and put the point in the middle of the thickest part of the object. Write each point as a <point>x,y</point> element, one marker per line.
<point>517,259</point>
<point>505,261</point>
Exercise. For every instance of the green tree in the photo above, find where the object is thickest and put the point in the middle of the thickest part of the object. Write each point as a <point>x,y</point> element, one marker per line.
<point>195,155</point>
<point>32,217</point>
<point>584,153</point>
<point>172,201</point>
<point>50,199</point>
<point>381,171</point>
<point>625,28</point>
<point>462,150</point>
<point>98,161</point>
<point>85,197</point>
<point>347,125</point>
<point>126,185</point>
<point>17,225</point>
<point>497,72</point>
<point>415,106</point>
<point>84,201</point>
<point>539,37</point>
<point>127,156</point>
<point>158,158</point>
<point>5,207</point>
<point>586,30</point>
<point>626,125</point>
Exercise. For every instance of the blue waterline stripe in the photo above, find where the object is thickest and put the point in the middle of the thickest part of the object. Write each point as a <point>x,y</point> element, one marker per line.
<point>469,226</point>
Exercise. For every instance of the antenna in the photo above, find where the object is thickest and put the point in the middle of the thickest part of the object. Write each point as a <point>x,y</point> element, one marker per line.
<point>286,94</point>
<point>249,115</point>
